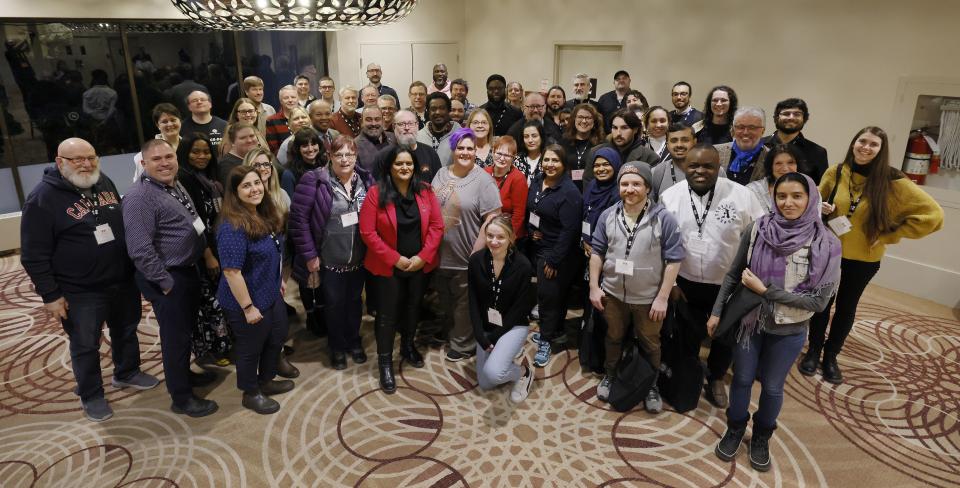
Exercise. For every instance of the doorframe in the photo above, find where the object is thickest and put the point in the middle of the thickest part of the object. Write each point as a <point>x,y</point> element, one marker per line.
<point>557,46</point>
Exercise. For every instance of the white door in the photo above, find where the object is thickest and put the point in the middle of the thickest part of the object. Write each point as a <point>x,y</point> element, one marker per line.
<point>427,54</point>
<point>395,61</point>
<point>598,61</point>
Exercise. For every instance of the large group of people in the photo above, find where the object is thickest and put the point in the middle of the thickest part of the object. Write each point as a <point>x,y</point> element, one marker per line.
<point>513,211</point>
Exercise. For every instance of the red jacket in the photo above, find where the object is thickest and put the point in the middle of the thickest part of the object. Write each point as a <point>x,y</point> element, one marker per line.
<point>378,229</point>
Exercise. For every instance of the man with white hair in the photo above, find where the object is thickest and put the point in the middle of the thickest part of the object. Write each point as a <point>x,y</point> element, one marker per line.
<point>405,129</point>
<point>388,108</point>
<point>742,158</point>
<point>368,97</point>
<point>581,92</point>
<point>346,120</point>
<point>74,250</point>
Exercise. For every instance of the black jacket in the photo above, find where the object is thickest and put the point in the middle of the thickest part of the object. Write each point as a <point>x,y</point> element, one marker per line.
<point>608,103</point>
<point>816,155</point>
<point>504,116</point>
<point>551,132</point>
<point>58,247</point>
<point>560,209</point>
<point>517,294</point>
<point>636,151</point>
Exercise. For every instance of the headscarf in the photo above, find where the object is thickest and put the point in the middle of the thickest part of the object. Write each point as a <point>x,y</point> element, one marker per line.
<point>778,238</point>
<point>600,195</point>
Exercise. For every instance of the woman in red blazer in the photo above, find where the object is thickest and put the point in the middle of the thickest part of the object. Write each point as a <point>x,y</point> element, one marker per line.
<point>401,224</point>
<point>511,182</point>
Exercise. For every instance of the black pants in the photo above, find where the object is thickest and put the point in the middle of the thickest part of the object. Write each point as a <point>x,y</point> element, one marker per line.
<point>700,299</point>
<point>343,308</point>
<point>119,307</point>
<point>854,277</point>
<point>312,298</point>
<point>257,346</point>
<point>552,296</point>
<point>177,317</point>
<point>398,307</point>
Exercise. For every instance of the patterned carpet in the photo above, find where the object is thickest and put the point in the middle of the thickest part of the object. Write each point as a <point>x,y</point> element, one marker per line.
<point>893,423</point>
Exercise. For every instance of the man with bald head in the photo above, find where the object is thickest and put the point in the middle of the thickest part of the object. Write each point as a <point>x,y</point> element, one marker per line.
<point>321,115</point>
<point>73,248</point>
<point>534,108</point>
<point>374,75</point>
<point>165,239</point>
<point>200,120</point>
<point>440,81</point>
<point>372,137</point>
<point>405,135</point>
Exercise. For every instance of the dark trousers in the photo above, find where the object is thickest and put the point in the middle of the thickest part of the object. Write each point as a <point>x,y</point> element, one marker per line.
<point>700,298</point>
<point>176,314</point>
<point>343,308</point>
<point>257,346</point>
<point>552,296</point>
<point>854,277</point>
<point>398,308</point>
<point>772,356</point>
<point>312,298</point>
<point>119,307</point>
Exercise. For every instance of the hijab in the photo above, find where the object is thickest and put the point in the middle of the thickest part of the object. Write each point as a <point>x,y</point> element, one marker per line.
<point>600,195</point>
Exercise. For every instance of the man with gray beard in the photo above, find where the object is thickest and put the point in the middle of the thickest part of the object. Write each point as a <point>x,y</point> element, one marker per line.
<point>73,248</point>
<point>405,130</point>
<point>372,137</point>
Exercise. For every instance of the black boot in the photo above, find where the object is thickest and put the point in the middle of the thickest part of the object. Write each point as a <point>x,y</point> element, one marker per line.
<point>729,444</point>
<point>315,323</point>
<point>831,370</point>
<point>285,369</point>
<point>760,448</point>
<point>810,362</point>
<point>410,353</point>
<point>260,403</point>
<point>387,382</point>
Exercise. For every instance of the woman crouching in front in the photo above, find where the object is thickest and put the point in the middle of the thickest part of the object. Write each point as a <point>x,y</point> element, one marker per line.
<point>794,265</point>
<point>249,242</point>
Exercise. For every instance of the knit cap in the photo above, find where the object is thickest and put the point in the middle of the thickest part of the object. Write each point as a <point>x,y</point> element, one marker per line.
<point>638,168</point>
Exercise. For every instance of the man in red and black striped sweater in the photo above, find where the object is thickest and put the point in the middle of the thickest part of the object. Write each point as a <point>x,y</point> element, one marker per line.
<point>347,121</point>
<point>277,128</point>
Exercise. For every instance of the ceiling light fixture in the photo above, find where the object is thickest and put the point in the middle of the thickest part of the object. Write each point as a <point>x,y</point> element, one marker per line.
<point>294,14</point>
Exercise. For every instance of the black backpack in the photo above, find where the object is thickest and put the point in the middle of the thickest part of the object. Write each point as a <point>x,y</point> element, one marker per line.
<point>591,343</point>
<point>633,379</point>
<point>681,373</point>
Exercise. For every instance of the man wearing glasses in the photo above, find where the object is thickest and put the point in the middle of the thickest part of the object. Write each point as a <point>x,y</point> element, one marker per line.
<point>374,74</point>
<point>534,108</point>
<point>405,129</point>
<point>790,117</point>
<point>743,157</point>
<point>201,120</point>
<point>74,250</point>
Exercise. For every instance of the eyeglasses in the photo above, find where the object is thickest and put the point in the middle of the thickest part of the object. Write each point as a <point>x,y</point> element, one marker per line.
<point>500,155</point>
<point>750,128</point>
<point>247,112</point>
<point>81,159</point>
<point>482,123</point>
<point>791,113</point>
<point>587,118</point>
<point>405,124</point>
<point>344,156</point>
<point>536,107</point>
<point>719,100</point>
<point>261,165</point>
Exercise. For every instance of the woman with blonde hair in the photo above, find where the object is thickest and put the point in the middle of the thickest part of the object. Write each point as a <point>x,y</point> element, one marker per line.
<point>266,165</point>
<point>481,124</point>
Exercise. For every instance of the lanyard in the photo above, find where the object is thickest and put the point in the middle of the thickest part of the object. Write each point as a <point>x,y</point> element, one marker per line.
<point>502,181</point>
<point>580,154</point>
<point>853,203</point>
<point>353,124</point>
<point>706,212</point>
<point>538,197</point>
<point>496,282</point>
<point>178,195</point>
<point>673,173</point>
<point>631,232</point>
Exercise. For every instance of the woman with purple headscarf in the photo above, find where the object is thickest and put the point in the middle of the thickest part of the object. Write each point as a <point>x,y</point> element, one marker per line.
<point>794,265</point>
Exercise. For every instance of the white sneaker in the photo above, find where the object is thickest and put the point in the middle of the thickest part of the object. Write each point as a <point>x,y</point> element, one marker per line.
<point>603,389</point>
<point>521,389</point>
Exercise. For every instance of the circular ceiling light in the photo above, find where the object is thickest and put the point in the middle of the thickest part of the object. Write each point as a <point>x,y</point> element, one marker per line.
<point>138,27</point>
<point>294,14</point>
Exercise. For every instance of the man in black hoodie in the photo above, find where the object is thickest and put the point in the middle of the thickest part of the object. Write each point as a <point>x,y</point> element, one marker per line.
<point>626,136</point>
<point>502,113</point>
<point>73,248</point>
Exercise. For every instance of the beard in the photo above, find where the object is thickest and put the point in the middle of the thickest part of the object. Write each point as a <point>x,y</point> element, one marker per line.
<point>80,180</point>
<point>789,130</point>
<point>406,140</point>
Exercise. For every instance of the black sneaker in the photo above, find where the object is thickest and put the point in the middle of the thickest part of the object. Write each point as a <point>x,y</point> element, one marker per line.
<point>455,356</point>
<point>195,407</point>
<point>760,452</point>
<point>729,444</point>
<point>831,370</point>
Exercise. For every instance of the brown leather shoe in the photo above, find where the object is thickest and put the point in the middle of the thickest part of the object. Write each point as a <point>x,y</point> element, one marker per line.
<point>717,393</point>
<point>286,369</point>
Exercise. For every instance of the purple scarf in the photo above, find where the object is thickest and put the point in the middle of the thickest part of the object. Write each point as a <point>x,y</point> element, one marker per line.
<point>778,238</point>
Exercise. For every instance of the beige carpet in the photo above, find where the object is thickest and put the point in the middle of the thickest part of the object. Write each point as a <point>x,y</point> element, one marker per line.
<point>894,423</point>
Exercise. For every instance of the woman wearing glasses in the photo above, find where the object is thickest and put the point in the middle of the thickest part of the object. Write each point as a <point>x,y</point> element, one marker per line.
<point>585,131</point>
<point>510,181</point>
<point>481,124</point>
<point>326,236</point>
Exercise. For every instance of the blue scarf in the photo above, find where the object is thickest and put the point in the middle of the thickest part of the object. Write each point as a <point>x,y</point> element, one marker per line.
<point>743,158</point>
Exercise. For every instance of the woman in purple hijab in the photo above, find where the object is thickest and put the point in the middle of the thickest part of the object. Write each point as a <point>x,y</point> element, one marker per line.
<point>794,265</point>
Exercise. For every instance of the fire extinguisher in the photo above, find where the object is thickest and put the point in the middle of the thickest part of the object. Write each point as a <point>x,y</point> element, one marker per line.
<point>916,163</point>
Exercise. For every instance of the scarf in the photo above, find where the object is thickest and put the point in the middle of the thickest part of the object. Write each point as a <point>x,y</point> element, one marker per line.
<point>600,195</point>
<point>743,158</point>
<point>778,238</point>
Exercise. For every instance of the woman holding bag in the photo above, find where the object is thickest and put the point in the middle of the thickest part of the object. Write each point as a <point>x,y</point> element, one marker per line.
<point>401,225</point>
<point>794,266</point>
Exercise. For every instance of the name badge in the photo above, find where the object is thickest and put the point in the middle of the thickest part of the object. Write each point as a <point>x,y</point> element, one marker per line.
<point>576,174</point>
<point>534,220</point>
<point>624,267</point>
<point>103,234</point>
<point>198,226</point>
<point>494,317</point>
<point>585,228</point>
<point>840,225</point>
<point>698,246</point>
<point>349,219</point>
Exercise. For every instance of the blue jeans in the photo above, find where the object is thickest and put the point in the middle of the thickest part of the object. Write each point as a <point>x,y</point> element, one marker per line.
<point>773,355</point>
<point>497,366</point>
<point>119,307</point>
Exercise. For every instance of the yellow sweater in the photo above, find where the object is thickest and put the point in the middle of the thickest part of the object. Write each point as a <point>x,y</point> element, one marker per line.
<point>914,212</point>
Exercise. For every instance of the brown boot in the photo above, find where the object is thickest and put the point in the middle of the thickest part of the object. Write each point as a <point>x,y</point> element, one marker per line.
<point>285,369</point>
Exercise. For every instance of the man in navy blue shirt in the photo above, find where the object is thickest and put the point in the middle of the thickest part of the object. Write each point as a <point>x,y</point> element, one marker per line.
<point>614,100</point>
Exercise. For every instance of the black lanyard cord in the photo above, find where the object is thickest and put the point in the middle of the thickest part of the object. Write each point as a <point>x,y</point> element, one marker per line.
<point>706,212</point>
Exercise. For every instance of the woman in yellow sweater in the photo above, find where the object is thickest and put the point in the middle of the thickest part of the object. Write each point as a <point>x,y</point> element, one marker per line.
<point>873,205</point>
